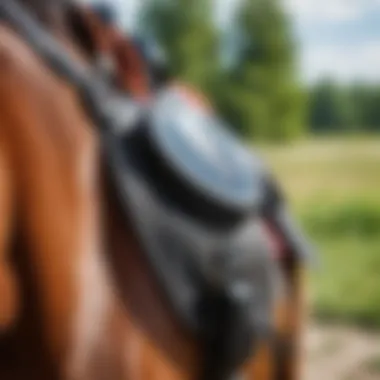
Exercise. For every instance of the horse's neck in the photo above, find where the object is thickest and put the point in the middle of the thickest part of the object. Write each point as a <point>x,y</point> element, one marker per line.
<point>56,162</point>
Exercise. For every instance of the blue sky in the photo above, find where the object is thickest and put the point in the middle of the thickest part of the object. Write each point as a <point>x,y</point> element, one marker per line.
<point>338,38</point>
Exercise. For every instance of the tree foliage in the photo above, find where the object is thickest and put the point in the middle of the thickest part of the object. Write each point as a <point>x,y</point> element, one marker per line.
<point>339,108</point>
<point>263,98</point>
<point>185,30</point>
<point>258,95</point>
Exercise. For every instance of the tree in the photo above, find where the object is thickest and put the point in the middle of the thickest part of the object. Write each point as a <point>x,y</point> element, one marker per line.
<point>344,108</point>
<point>370,102</point>
<point>261,95</point>
<point>258,95</point>
<point>330,108</point>
<point>187,34</point>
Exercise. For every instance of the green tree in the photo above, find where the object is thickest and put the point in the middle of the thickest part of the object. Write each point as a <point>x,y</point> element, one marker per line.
<point>260,95</point>
<point>371,109</point>
<point>344,108</point>
<point>331,108</point>
<point>187,34</point>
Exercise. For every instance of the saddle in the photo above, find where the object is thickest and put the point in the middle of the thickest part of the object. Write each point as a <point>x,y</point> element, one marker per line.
<point>194,194</point>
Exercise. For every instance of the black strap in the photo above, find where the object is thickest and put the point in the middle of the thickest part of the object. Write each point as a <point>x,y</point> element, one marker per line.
<point>45,45</point>
<point>90,85</point>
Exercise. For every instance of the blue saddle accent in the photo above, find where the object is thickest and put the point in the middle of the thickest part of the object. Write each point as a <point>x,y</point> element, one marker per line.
<point>204,153</point>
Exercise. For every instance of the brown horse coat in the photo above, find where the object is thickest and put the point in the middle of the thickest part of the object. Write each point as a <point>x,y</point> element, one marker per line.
<point>73,305</point>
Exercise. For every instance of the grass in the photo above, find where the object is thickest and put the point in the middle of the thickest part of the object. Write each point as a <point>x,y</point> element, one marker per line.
<point>373,365</point>
<point>334,187</point>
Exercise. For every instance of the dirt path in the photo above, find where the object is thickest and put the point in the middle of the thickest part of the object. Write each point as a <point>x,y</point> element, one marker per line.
<point>338,353</point>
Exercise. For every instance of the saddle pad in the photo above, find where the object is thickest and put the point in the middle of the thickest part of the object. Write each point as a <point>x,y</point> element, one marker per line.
<point>190,257</point>
<point>183,249</point>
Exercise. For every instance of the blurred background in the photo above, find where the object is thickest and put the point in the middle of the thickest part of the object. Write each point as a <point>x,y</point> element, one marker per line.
<point>300,81</point>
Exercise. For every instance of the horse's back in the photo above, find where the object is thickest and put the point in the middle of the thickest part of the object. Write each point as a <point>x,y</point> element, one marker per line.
<point>55,157</point>
<point>57,270</point>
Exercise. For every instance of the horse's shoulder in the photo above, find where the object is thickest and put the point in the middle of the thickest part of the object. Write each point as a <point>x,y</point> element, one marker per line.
<point>13,50</point>
<point>18,62</point>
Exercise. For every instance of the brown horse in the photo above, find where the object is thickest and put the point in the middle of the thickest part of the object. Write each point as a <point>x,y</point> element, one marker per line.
<point>73,306</point>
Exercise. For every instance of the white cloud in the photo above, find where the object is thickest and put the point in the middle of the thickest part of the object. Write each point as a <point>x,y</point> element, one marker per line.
<point>330,10</point>
<point>345,64</point>
<point>340,58</point>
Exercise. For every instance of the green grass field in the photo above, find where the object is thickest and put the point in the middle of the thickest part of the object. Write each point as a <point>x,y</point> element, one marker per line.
<point>334,187</point>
